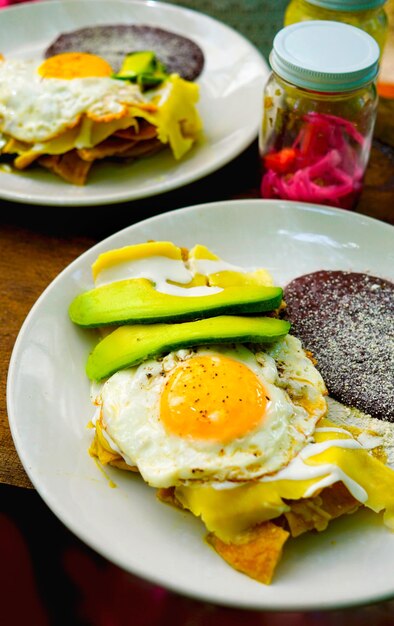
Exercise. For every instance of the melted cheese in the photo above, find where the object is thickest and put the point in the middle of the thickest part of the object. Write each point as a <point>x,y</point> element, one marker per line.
<point>171,109</point>
<point>229,509</point>
<point>176,117</point>
<point>173,270</point>
<point>335,455</point>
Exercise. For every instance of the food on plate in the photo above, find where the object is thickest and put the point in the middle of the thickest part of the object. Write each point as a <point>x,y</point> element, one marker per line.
<point>218,413</point>
<point>324,164</point>
<point>372,431</point>
<point>71,110</point>
<point>138,301</point>
<point>179,54</point>
<point>152,282</point>
<point>130,345</point>
<point>142,68</point>
<point>346,319</point>
<point>226,416</point>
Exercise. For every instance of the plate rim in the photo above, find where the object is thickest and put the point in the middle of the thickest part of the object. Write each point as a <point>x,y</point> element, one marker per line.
<point>165,186</point>
<point>373,597</point>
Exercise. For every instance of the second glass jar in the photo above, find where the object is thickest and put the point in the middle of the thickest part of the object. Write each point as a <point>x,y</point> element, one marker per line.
<point>369,15</point>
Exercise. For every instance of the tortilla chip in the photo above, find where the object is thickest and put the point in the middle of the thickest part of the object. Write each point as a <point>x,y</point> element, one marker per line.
<point>113,146</point>
<point>26,159</point>
<point>167,495</point>
<point>119,463</point>
<point>100,449</point>
<point>14,146</point>
<point>68,166</point>
<point>258,552</point>
<point>143,149</point>
<point>145,131</point>
<point>316,513</point>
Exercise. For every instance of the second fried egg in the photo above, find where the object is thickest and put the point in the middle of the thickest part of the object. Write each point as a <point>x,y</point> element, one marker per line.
<point>223,413</point>
<point>39,102</point>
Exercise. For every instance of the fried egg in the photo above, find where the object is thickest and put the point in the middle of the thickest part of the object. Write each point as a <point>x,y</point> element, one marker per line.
<point>40,101</point>
<point>223,413</point>
<point>73,102</point>
<point>374,434</point>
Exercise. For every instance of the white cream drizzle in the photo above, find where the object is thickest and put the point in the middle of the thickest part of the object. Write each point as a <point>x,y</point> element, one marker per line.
<point>298,470</point>
<point>174,290</point>
<point>212,266</point>
<point>158,269</point>
<point>329,473</point>
<point>154,268</point>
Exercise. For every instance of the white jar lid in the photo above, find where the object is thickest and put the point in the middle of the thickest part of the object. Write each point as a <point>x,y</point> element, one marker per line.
<point>348,5</point>
<point>325,56</point>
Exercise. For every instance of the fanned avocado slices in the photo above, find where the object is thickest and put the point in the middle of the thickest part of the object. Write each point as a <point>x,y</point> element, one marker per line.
<point>136,301</point>
<point>130,345</point>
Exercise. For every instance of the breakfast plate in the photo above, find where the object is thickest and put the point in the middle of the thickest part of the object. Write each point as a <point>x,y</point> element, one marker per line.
<point>230,98</point>
<point>49,408</point>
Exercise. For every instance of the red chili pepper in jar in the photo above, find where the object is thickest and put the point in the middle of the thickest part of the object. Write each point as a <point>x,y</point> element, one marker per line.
<point>281,162</point>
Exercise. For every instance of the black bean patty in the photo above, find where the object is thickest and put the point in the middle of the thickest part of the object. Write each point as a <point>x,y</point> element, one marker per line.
<point>346,320</point>
<point>112,42</point>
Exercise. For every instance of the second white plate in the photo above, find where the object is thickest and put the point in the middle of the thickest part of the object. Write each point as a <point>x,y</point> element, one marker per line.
<point>230,98</point>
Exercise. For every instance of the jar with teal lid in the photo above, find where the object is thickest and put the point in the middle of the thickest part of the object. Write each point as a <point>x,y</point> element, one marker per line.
<point>369,15</point>
<point>318,114</point>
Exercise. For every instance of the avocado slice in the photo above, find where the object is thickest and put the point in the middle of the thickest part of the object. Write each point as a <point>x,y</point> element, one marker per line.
<point>143,68</point>
<point>146,81</point>
<point>130,345</point>
<point>139,62</point>
<point>136,301</point>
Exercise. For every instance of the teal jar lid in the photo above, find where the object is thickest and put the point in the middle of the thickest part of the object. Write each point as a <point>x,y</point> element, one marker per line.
<point>348,5</point>
<point>325,56</point>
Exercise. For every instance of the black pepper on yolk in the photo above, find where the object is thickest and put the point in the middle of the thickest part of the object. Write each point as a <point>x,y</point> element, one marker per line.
<point>70,65</point>
<point>214,398</point>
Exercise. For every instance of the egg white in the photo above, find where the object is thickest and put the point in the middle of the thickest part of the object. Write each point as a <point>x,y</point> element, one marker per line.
<point>34,109</point>
<point>372,433</point>
<point>129,415</point>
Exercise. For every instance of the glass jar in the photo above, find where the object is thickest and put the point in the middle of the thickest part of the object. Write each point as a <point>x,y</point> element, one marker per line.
<point>319,110</point>
<point>369,15</point>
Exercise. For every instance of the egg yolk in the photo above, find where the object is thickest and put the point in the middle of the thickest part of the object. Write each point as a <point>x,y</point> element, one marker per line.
<point>213,398</point>
<point>70,65</point>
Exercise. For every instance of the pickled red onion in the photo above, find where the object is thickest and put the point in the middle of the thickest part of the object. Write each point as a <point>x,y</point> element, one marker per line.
<point>321,166</point>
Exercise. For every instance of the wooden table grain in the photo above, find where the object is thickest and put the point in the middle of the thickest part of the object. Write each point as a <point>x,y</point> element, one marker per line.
<point>36,243</point>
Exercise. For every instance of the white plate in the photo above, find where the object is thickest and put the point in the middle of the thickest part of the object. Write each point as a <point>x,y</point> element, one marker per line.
<point>230,98</point>
<point>48,403</point>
